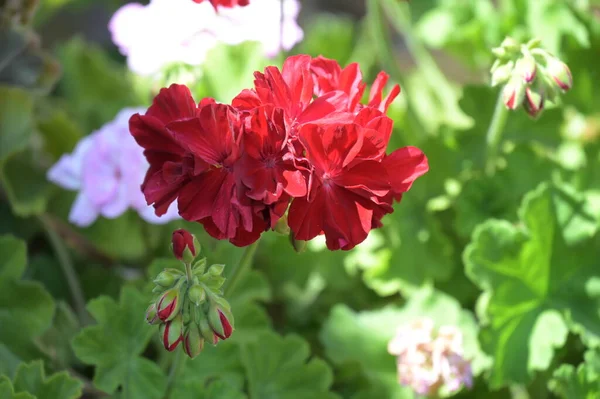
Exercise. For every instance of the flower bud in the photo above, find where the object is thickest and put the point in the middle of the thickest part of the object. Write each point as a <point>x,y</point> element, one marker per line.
<point>513,93</point>
<point>151,316</point>
<point>298,245</point>
<point>281,226</point>
<point>167,278</point>
<point>197,294</point>
<point>216,270</point>
<point>168,304</point>
<point>534,101</point>
<point>185,245</point>
<point>207,332</point>
<point>172,333</point>
<point>220,321</point>
<point>526,67</point>
<point>560,73</point>
<point>502,73</point>
<point>193,341</point>
<point>510,44</point>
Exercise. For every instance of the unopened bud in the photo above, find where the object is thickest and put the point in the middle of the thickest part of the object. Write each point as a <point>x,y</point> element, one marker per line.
<point>193,341</point>
<point>533,102</point>
<point>560,73</point>
<point>502,73</point>
<point>185,245</point>
<point>220,321</point>
<point>167,278</point>
<point>281,226</point>
<point>533,43</point>
<point>172,333</point>
<point>207,333</point>
<point>513,93</point>
<point>151,316</point>
<point>510,44</point>
<point>169,304</point>
<point>197,294</point>
<point>298,245</point>
<point>526,67</point>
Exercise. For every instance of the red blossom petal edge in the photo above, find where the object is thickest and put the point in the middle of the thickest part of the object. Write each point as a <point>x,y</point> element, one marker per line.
<point>299,143</point>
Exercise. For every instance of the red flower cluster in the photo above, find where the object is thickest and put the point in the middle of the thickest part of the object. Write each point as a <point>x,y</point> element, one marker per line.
<point>225,3</point>
<point>300,136</point>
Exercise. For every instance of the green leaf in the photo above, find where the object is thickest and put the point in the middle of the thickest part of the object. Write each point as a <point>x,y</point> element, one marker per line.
<point>16,125</point>
<point>97,88</point>
<point>13,257</point>
<point>7,390</point>
<point>115,346</point>
<point>57,339</point>
<point>582,382</point>
<point>329,35</point>
<point>32,379</point>
<point>409,252</point>
<point>279,368</point>
<point>535,278</point>
<point>215,362</point>
<point>551,20</point>
<point>26,309</point>
<point>25,184</point>
<point>59,131</point>
<point>362,337</point>
<point>224,76</point>
<point>8,362</point>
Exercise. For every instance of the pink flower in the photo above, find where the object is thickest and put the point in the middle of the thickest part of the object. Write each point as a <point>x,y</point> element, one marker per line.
<point>180,31</point>
<point>106,168</point>
<point>429,361</point>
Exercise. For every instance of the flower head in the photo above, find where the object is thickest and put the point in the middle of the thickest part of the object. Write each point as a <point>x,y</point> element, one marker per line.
<point>171,31</point>
<point>428,360</point>
<point>300,136</point>
<point>107,168</point>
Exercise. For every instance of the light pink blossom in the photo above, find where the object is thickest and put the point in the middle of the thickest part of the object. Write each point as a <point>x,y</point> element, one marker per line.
<point>107,168</point>
<point>430,360</point>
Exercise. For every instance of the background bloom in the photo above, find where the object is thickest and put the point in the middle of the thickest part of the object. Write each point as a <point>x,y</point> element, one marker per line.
<point>169,31</point>
<point>429,360</point>
<point>107,168</point>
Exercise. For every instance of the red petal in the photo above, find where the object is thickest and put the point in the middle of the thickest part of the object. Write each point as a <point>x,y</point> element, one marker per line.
<point>196,199</point>
<point>173,103</point>
<point>404,166</point>
<point>366,178</point>
<point>150,133</point>
<point>210,136</point>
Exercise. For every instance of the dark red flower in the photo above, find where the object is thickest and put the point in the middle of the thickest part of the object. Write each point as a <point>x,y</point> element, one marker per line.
<point>171,166</point>
<point>215,196</point>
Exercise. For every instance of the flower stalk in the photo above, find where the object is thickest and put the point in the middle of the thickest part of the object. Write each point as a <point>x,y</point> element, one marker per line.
<point>494,134</point>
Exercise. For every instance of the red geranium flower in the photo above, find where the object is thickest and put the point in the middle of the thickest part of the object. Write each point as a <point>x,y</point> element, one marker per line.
<point>351,188</point>
<point>301,135</point>
<point>171,166</point>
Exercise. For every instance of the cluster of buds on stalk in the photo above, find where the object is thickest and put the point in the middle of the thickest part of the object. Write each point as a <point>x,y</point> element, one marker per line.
<point>189,306</point>
<point>530,75</point>
<point>430,361</point>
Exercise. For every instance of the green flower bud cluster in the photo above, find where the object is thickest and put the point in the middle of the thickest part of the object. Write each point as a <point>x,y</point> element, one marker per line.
<point>189,307</point>
<point>530,75</point>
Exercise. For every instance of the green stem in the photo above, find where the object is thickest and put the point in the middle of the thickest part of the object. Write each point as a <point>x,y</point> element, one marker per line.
<point>64,259</point>
<point>494,135</point>
<point>241,268</point>
<point>174,371</point>
<point>188,272</point>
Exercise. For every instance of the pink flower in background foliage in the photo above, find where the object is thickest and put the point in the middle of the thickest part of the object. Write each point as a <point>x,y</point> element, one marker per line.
<point>429,360</point>
<point>301,136</point>
<point>106,168</point>
<point>225,3</point>
<point>171,31</point>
